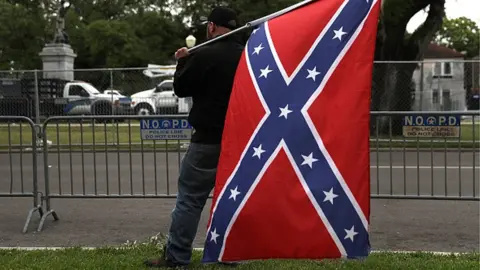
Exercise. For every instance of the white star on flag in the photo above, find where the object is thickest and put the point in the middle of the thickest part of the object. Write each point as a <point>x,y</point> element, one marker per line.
<point>339,33</point>
<point>312,73</point>
<point>309,160</point>
<point>258,151</point>
<point>258,49</point>
<point>329,196</point>
<point>214,236</point>
<point>284,112</point>
<point>350,233</point>
<point>265,71</point>
<point>234,193</point>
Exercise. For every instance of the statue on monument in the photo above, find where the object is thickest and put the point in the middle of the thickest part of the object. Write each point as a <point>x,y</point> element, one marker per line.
<point>60,33</point>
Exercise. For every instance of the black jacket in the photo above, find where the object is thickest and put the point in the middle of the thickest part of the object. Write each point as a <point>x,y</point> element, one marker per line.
<point>207,76</point>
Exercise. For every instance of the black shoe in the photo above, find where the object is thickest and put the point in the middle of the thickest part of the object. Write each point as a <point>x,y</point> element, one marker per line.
<point>163,263</point>
<point>229,264</point>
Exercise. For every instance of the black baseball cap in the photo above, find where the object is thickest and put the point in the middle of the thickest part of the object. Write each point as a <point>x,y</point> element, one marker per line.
<point>222,16</point>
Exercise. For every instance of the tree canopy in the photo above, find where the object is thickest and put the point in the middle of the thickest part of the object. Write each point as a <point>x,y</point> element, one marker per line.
<point>133,33</point>
<point>461,34</point>
<point>117,33</point>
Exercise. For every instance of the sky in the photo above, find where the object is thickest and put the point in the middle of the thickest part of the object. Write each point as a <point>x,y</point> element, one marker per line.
<point>453,9</point>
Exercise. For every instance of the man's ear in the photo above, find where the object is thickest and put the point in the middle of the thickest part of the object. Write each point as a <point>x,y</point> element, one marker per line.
<point>213,27</point>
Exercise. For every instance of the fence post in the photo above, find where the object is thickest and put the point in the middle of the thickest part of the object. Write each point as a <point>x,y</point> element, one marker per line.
<point>421,85</point>
<point>37,99</point>
<point>111,78</point>
<point>47,179</point>
<point>113,122</point>
<point>37,199</point>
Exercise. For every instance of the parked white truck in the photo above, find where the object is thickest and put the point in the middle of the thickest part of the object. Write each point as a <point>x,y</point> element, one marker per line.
<point>161,99</point>
<point>82,98</point>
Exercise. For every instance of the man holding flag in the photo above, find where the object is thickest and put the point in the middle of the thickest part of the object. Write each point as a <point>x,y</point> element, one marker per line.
<point>293,179</point>
<point>206,76</point>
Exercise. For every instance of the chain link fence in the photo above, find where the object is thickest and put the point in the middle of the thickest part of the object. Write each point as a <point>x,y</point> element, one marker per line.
<point>426,86</point>
<point>447,85</point>
<point>451,85</point>
<point>41,94</point>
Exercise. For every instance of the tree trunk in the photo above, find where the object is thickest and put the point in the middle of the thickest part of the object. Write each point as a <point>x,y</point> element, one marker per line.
<point>392,82</point>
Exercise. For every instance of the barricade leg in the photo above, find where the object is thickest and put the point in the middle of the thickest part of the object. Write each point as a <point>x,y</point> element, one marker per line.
<point>36,207</point>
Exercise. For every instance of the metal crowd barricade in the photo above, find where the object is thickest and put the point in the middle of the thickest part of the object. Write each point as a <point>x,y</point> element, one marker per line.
<point>104,157</point>
<point>424,168</point>
<point>101,157</point>
<point>23,154</point>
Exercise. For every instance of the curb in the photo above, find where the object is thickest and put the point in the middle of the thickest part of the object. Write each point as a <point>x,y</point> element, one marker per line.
<point>437,253</point>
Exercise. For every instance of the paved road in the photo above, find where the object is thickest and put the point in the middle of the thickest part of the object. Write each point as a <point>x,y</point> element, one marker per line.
<point>396,224</point>
<point>156,173</point>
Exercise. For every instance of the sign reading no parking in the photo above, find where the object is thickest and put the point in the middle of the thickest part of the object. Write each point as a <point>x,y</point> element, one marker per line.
<point>165,129</point>
<point>431,126</point>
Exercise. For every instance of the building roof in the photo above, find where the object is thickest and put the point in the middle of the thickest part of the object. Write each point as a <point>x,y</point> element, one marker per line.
<point>436,51</point>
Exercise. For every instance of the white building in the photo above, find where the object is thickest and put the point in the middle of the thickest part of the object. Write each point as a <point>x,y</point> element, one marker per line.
<point>443,87</point>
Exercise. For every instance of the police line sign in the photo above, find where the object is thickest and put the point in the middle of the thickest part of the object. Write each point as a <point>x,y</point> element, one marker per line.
<point>431,126</point>
<point>165,129</point>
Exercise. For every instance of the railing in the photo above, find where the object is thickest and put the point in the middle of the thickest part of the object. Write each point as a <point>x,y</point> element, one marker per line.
<point>102,157</point>
<point>426,168</point>
<point>19,169</point>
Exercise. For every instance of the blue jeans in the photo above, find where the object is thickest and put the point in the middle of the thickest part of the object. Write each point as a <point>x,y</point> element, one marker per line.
<point>195,182</point>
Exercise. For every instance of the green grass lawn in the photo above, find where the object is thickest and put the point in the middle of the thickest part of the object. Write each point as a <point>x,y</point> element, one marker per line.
<point>100,136</point>
<point>108,136</point>
<point>133,257</point>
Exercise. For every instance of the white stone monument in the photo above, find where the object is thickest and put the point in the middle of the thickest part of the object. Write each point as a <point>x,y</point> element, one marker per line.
<point>58,57</point>
<point>58,61</point>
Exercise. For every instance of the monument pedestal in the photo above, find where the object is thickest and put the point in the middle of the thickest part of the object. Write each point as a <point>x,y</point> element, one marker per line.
<point>58,61</point>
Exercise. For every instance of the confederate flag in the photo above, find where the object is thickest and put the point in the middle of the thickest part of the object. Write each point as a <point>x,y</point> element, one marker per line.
<point>294,175</point>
